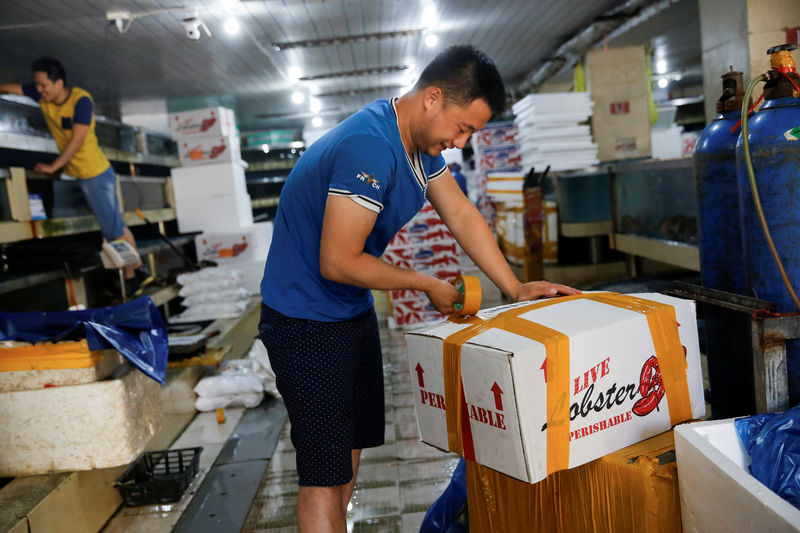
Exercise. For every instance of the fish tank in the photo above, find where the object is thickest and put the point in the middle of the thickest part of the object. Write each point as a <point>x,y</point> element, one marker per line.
<point>657,199</point>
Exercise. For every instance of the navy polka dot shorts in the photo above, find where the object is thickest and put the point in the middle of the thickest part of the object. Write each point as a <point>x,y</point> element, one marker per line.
<point>330,375</point>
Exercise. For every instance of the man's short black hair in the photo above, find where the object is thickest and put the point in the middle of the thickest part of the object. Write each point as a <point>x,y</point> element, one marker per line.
<point>465,74</point>
<point>52,67</point>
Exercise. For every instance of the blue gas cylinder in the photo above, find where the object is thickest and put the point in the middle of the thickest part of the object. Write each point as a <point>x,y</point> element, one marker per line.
<point>718,194</point>
<point>773,135</point>
<point>730,390</point>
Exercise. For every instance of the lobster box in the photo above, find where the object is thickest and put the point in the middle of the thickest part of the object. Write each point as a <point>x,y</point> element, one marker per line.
<point>533,388</point>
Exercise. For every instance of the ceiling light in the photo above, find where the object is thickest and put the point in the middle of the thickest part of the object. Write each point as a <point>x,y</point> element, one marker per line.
<point>431,40</point>
<point>429,16</point>
<point>662,83</point>
<point>316,122</point>
<point>295,72</point>
<point>298,97</point>
<point>265,148</point>
<point>315,105</point>
<point>232,26</point>
<point>297,144</point>
<point>661,66</point>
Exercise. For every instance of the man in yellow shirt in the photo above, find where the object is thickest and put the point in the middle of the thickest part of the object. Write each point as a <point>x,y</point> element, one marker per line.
<point>69,113</point>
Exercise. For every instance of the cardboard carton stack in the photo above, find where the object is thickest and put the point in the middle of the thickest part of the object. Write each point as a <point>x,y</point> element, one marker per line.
<point>496,150</point>
<point>619,85</point>
<point>534,388</point>
<point>425,245</point>
<point>630,490</point>
<point>211,193</point>
<point>550,131</point>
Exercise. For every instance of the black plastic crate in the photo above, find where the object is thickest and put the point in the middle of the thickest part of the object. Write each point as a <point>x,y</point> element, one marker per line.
<point>158,477</point>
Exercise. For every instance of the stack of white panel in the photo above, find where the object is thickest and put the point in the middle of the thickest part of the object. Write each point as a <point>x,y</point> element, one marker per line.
<point>549,131</point>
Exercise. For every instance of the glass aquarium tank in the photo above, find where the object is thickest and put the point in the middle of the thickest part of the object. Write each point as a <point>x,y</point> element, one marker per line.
<point>656,199</point>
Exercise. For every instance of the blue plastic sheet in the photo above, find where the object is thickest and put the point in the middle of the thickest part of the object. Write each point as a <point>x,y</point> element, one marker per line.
<point>773,441</point>
<point>135,329</point>
<point>441,516</point>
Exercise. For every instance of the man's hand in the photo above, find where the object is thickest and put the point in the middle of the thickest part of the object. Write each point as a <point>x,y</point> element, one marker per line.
<point>442,295</point>
<point>44,168</point>
<point>537,289</point>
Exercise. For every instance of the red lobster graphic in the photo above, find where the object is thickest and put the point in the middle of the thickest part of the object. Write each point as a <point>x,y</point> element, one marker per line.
<point>651,387</point>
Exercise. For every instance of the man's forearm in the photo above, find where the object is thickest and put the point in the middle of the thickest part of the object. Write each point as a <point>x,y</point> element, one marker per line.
<point>475,237</point>
<point>370,272</point>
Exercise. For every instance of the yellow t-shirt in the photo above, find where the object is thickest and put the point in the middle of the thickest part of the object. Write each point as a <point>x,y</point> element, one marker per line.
<point>89,160</point>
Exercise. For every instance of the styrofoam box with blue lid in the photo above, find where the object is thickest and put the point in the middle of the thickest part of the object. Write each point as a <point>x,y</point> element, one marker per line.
<point>505,409</point>
<point>718,493</point>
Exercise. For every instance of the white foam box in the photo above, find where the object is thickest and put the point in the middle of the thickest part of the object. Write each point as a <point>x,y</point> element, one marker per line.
<point>214,213</point>
<point>503,377</point>
<point>218,121</point>
<point>20,380</point>
<point>213,179</point>
<point>717,491</point>
<point>78,427</point>
<point>229,248</point>
<point>209,149</point>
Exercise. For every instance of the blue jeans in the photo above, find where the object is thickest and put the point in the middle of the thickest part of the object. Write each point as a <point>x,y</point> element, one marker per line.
<point>101,193</point>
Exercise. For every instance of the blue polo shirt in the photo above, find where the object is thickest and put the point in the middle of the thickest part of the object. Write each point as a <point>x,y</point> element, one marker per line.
<point>362,158</point>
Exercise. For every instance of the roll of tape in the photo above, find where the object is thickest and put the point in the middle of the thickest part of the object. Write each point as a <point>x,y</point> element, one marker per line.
<point>470,288</point>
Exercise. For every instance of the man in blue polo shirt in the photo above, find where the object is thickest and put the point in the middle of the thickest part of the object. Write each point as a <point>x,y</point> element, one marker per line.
<point>346,197</point>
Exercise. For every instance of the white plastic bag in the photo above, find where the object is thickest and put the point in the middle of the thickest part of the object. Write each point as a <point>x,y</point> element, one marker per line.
<point>261,366</point>
<point>214,297</point>
<point>228,384</point>
<point>204,287</point>
<point>210,274</point>
<point>210,403</point>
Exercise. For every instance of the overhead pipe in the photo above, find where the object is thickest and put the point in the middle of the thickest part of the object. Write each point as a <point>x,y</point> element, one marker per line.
<point>607,26</point>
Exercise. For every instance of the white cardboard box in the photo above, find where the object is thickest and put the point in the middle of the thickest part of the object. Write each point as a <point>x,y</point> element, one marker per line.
<point>718,493</point>
<point>214,213</point>
<point>209,149</point>
<point>213,179</point>
<point>503,376</point>
<point>230,248</point>
<point>217,121</point>
<point>78,427</point>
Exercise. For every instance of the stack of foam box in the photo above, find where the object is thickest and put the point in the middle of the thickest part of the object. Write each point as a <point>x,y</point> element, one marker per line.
<point>211,193</point>
<point>426,245</point>
<point>549,131</point>
<point>496,150</point>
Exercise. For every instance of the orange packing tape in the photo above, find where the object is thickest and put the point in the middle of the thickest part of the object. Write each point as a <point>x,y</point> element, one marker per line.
<point>470,288</point>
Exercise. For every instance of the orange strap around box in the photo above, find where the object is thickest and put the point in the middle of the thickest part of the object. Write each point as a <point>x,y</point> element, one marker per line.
<point>669,351</point>
<point>663,328</point>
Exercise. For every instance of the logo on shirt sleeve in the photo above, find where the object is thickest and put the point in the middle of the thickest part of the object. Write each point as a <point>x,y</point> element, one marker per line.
<point>369,179</point>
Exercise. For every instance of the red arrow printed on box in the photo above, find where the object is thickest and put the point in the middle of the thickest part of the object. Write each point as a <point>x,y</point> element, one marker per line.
<point>498,396</point>
<point>420,371</point>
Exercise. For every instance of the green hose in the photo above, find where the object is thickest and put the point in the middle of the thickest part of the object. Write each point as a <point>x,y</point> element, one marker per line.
<point>756,199</point>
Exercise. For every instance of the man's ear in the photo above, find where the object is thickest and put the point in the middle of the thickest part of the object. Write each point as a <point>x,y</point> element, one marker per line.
<point>433,97</point>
